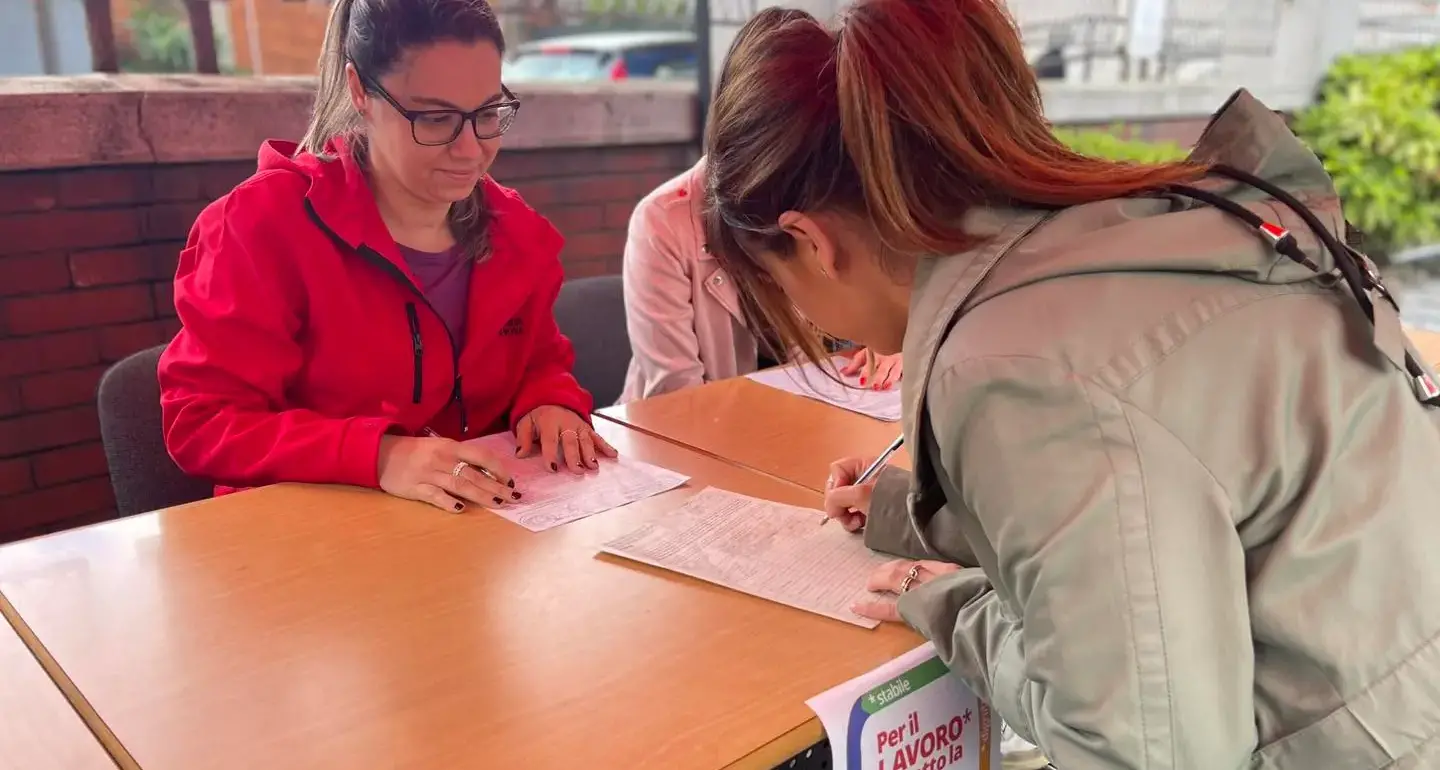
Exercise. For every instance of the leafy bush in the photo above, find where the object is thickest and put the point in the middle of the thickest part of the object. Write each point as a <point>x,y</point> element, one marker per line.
<point>159,39</point>
<point>1111,145</point>
<point>1375,126</point>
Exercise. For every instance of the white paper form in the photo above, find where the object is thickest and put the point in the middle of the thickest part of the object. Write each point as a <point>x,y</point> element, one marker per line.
<point>765,549</point>
<point>551,498</point>
<point>810,381</point>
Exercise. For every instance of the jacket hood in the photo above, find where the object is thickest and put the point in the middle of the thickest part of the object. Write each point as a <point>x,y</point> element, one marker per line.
<point>1178,234</point>
<point>338,195</point>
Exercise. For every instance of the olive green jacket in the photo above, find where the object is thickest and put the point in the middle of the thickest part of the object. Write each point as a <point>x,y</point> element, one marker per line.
<point>1200,502</point>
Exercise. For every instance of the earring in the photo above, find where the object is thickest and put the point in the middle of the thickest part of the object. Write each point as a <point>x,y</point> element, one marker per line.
<point>823,270</point>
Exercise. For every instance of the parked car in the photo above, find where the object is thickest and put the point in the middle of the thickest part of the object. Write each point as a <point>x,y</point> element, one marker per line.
<point>605,56</point>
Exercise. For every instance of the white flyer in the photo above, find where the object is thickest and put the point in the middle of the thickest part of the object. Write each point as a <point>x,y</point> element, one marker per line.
<point>809,381</point>
<point>555,498</point>
<point>909,714</point>
<point>778,552</point>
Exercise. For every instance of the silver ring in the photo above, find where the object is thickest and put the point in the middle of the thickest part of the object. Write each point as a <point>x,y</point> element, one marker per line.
<point>459,468</point>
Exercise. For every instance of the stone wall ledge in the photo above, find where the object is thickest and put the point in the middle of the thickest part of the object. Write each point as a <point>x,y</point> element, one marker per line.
<point>1075,104</point>
<point>93,120</point>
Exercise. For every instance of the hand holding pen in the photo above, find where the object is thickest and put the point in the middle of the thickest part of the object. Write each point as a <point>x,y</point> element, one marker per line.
<point>847,491</point>
<point>447,474</point>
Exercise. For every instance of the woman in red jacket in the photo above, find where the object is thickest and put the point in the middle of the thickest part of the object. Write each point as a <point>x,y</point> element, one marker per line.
<point>372,288</point>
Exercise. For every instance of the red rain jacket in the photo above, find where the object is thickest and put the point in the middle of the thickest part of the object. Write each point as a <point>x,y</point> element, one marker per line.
<point>305,339</point>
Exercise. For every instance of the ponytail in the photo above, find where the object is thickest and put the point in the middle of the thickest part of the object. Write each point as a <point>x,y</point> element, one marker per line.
<point>332,115</point>
<point>905,117</point>
<point>938,107</point>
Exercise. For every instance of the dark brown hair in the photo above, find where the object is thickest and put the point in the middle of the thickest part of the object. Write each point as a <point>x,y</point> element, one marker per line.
<point>375,35</point>
<point>906,115</point>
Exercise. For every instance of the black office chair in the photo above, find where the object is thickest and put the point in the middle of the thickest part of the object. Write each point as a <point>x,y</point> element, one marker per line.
<point>141,471</point>
<point>591,312</point>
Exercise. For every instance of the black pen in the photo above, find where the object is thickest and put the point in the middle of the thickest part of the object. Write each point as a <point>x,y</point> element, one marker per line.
<point>875,467</point>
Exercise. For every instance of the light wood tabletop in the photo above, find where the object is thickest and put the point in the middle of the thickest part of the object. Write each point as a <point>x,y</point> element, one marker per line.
<point>762,428</point>
<point>784,435</point>
<point>297,627</point>
<point>39,730</point>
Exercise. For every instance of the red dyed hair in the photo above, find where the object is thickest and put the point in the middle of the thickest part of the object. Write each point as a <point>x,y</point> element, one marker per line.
<point>904,116</point>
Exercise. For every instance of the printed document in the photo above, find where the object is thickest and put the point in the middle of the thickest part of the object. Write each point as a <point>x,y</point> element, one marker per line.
<point>810,381</point>
<point>909,714</point>
<point>765,549</point>
<point>551,498</point>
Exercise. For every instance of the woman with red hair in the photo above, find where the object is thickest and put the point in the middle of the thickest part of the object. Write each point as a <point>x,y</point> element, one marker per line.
<point>1173,503</point>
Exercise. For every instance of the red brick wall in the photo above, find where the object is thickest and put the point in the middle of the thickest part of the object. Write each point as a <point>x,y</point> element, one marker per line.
<point>86,258</point>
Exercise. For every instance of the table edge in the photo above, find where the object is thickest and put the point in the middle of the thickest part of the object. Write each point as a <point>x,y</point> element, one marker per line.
<point>87,713</point>
<point>703,452</point>
<point>779,750</point>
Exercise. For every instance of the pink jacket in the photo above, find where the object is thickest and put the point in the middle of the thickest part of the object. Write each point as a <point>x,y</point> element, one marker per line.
<point>682,310</point>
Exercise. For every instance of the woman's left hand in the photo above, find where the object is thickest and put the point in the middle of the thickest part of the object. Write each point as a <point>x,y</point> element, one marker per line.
<point>876,372</point>
<point>562,435</point>
<point>898,577</point>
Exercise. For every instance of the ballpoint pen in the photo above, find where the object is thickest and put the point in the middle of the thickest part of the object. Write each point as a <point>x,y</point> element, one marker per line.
<point>874,467</point>
<point>430,433</point>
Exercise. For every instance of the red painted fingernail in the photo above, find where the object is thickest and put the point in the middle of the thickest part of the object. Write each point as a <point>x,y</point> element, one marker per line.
<point>511,483</point>
<point>459,507</point>
<point>514,495</point>
<point>862,380</point>
<point>498,501</point>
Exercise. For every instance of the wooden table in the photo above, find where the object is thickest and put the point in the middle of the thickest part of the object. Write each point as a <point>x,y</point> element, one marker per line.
<point>779,434</point>
<point>784,435</point>
<point>39,730</point>
<point>303,627</point>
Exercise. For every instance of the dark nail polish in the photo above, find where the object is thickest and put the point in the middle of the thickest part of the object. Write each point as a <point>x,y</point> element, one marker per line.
<point>514,495</point>
<point>511,483</point>
<point>498,501</point>
<point>459,507</point>
<point>554,467</point>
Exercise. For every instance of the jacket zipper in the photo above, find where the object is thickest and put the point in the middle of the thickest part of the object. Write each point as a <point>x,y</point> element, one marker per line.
<point>386,266</point>
<point>417,345</point>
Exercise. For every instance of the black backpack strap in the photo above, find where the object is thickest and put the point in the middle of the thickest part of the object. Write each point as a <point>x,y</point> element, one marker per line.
<point>1357,271</point>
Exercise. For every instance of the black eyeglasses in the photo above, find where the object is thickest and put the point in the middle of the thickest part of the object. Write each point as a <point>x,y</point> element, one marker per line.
<point>433,128</point>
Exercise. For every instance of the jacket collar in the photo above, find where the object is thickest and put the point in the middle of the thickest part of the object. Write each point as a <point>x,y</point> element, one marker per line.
<point>342,201</point>
<point>1243,134</point>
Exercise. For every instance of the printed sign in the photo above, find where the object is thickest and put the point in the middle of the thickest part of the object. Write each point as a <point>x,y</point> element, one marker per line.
<point>909,714</point>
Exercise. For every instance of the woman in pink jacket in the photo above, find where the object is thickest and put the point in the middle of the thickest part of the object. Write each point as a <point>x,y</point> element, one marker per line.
<point>685,322</point>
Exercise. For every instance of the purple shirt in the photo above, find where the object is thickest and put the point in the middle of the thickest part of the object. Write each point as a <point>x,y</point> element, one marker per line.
<point>444,279</point>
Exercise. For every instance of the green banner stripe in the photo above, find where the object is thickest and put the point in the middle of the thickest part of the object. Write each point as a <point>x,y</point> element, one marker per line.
<point>906,683</point>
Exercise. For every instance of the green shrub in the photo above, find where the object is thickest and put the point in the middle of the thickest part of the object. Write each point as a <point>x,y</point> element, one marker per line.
<point>1375,126</point>
<point>1112,146</point>
<point>160,39</point>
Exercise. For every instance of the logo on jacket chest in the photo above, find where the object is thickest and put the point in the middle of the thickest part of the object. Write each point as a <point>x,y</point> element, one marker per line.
<point>514,327</point>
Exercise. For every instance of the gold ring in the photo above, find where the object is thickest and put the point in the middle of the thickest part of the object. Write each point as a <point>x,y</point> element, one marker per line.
<point>910,578</point>
<point>459,468</point>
